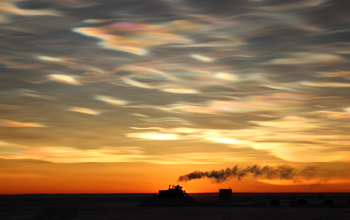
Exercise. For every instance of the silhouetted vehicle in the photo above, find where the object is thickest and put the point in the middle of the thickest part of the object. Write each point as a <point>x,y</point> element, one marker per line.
<point>173,192</point>
<point>225,193</point>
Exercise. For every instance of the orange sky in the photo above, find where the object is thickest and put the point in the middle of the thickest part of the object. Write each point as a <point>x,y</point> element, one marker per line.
<point>42,177</point>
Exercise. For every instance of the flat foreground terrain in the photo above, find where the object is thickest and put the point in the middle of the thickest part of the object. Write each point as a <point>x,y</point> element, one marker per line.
<point>126,206</point>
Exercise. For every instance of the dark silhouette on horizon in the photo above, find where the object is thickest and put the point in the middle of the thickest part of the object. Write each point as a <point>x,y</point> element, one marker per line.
<point>173,192</point>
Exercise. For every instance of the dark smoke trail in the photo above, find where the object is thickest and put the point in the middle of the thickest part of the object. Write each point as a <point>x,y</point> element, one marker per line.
<point>268,172</point>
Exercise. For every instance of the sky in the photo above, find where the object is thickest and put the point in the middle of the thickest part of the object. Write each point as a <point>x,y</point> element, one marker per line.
<point>127,96</point>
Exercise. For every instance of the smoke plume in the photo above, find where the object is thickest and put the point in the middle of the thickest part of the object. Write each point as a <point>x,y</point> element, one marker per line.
<point>267,172</point>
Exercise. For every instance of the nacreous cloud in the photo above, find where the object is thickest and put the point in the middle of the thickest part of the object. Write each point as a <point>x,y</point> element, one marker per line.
<point>154,136</point>
<point>110,155</point>
<point>7,9</point>
<point>307,58</point>
<point>324,84</point>
<point>71,155</point>
<point>84,110</point>
<point>16,124</point>
<point>110,100</point>
<point>64,79</point>
<point>296,152</point>
<point>134,38</point>
<point>181,91</point>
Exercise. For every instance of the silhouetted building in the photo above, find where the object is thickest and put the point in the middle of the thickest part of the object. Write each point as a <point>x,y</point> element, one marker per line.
<point>225,193</point>
<point>326,202</point>
<point>299,202</point>
<point>273,202</point>
<point>173,192</point>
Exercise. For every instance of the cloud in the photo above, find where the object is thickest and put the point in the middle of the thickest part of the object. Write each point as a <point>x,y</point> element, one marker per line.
<point>110,100</point>
<point>333,74</point>
<point>84,110</point>
<point>154,136</point>
<point>289,122</point>
<point>224,137</point>
<point>324,84</point>
<point>185,133</point>
<point>215,44</point>
<point>59,154</point>
<point>331,114</point>
<point>147,128</point>
<point>195,73</point>
<point>198,158</point>
<point>137,83</point>
<point>289,138</point>
<point>347,110</point>
<point>8,9</point>
<point>145,70</point>
<point>273,102</point>
<point>181,91</point>
<point>226,76</point>
<point>35,94</point>
<point>50,59</point>
<point>134,37</point>
<point>64,79</point>
<point>307,58</point>
<point>303,181</point>
<point>298,152</point>
<point>225,140</point>
<point>202,58</point>
<point>167,120</point>
<point>16,124</point>
<point>294,5</point>
<point>71,155</point>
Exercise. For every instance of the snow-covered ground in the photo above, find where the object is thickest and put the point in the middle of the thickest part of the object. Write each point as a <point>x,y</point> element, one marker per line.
<point>112,206</point>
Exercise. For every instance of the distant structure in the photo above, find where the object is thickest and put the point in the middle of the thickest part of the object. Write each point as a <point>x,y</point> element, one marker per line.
<point>225,193</point>
<point>173,192</point>
<point>273,202</point>
<point>299,202</point>
<point>326,202</point>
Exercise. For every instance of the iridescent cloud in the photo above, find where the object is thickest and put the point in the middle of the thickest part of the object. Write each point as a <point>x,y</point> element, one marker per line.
<point>181,91</point>
<point>109,155</point>
<point>17,124</point>
<point>154,136</point>
<point>64,79</point>
<point>35,94</point>
<point>296,152</point>
<point>202,58</point>
<point>8,8</point>
<point>137,38</point>
<point>50,59</point>
<point>274,102</point>
<point>308,58</point>
<point>324,84</point>
<point>84,110</point>
<point>110,100</point>
<point>240,80</point>
<point>331,114</point>
<point>71,155</point>
<point>334,74</point>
